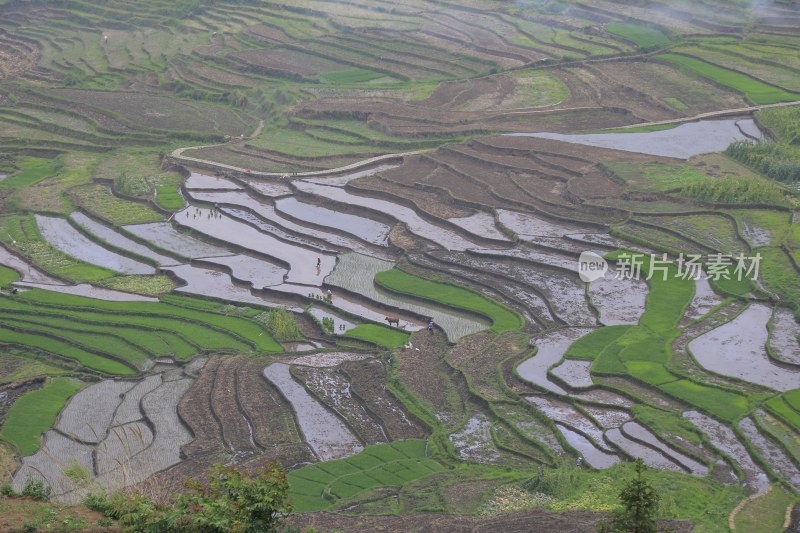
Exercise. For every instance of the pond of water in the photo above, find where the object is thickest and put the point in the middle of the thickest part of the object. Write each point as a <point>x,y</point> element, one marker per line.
<point>340,325</point>
<point>302,261</point>
<point>595,457</point>
<point>480,223</point>
<point>738,349</point>
<point>202,181</point>
<point>683,141</point>
<point>550,348</point>
<point>165,236</point>
<point>256,271</point>
<point>60,233</point>
<point>725,440</point>
<point>207,282</point>
<point>367,229</point>
<point>444,237</point>
<point>118,240</point>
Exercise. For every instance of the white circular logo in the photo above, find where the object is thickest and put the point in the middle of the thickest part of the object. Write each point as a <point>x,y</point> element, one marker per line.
<point>591,266</point>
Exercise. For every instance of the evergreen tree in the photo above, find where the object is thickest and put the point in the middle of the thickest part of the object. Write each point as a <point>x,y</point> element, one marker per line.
<point>640,504</point>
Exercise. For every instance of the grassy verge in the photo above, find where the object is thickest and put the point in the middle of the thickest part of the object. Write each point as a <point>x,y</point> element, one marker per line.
<point>503,318</point>
<point>766,513</point>
<point>380,335</point>
<point>35,412</point>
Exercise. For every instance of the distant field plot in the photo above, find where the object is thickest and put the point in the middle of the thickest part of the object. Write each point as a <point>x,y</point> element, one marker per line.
<point>98,200</point>
<point>31,170</point>
<point>319,486</point>
<point>34,413</point>
<point>756,91</point>
<point>161,112</point>
<point>645,37</point>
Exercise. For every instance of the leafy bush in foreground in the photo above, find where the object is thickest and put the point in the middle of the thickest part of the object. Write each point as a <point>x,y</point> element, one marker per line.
<point>233,501</point>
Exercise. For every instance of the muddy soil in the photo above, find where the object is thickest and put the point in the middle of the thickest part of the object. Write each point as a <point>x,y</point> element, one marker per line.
<point>576,374</point>
<point>618,301</point>
<point>784,339</point>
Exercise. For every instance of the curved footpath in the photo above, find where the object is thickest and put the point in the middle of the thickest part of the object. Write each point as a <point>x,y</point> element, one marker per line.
<point>177,154</point>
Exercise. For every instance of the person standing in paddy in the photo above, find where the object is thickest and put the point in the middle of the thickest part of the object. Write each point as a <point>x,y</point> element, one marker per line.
<point>430,326</point>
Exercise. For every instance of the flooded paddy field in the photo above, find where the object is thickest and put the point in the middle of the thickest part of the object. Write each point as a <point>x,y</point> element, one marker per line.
<point>682,142</point>
<point>60,233</point>
<point>738,349</point>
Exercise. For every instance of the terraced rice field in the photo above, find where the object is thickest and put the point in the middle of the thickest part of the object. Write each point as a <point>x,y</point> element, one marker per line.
<point>224,229</point>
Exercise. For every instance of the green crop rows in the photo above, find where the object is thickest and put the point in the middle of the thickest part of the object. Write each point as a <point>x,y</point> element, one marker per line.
<point>503,318</point>
<point>319,486</point>
<point>35,412</point>
<point>91,330</point>
<point>757,92</point>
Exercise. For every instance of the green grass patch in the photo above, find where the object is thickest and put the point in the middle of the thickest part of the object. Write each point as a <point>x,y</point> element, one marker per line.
<point>140,284</point>
<point>645,37</point>
<point>723,404</point>
<point>703,501</point>
<point>653,176</point>
<point>503,318</point>
<point>589,346</point>
<point>756,92</point>
<point>168,197</point>
<point>666,422</point>
<point>737,190</point>
<point>58,347</point>
<point>31,170</point>
<point>380,335</point>
<point>792,397</point>
<point>677,104</point>
<point>784,411</point>
<point>35,412</point>
<point>651,373</point>
<point>98,200</point>
<point>351,75</point>
<point>766,513</point>
<point>8,276</point>
<point>319,486</point>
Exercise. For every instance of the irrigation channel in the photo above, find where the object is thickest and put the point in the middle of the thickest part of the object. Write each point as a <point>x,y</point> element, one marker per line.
<point>316,244</point>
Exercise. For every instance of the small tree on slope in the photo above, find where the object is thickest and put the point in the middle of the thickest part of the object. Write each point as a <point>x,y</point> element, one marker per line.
<point>640,504</point>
